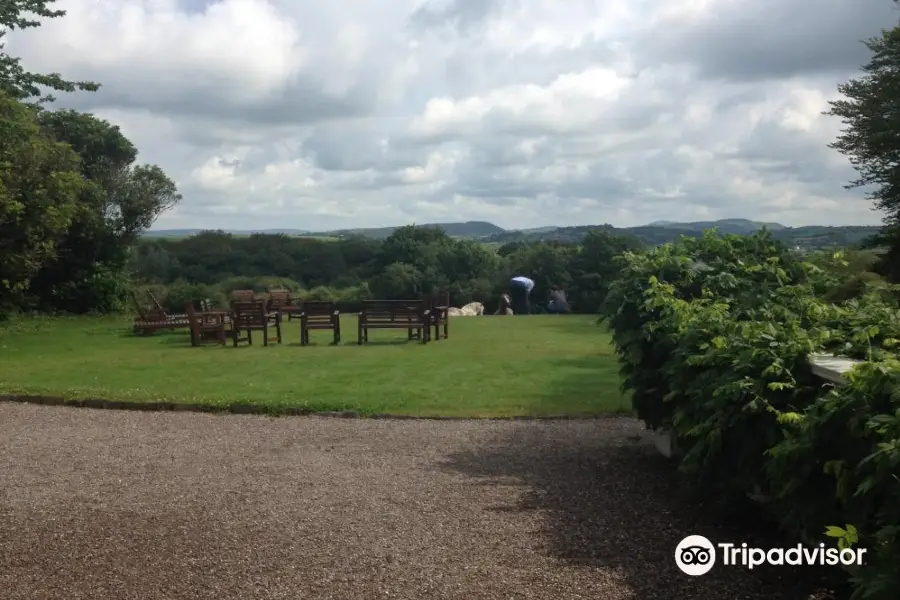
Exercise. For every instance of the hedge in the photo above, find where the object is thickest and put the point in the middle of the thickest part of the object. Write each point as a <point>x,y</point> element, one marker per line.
<point>713,337</point>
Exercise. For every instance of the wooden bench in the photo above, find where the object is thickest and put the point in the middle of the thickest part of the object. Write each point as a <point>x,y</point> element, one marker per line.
<point>316,315</point>
<point>411,315</point>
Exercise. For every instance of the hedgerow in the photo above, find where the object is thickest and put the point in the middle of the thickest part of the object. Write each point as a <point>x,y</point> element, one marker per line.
<point>714,336</point>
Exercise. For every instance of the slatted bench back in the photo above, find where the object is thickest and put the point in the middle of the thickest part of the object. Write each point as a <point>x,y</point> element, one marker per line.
<point>280,299</point>
<point>249,315</point>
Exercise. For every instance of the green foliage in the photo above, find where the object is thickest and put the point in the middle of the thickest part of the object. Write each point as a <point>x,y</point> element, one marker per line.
<point>870,112</point>
<point>810,237</point>
<point>174,296</point>
<point>71,202</point>
<point>409,262</point>
<point>15,81</point>
<point>713,337</point>
<point>89,271</point>
<point>39,190</point>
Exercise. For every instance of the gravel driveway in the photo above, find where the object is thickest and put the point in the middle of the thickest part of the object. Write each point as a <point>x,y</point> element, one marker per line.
<point>120,505</point>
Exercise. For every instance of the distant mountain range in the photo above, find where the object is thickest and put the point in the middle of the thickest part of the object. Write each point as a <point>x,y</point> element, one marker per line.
<point>659,232</point>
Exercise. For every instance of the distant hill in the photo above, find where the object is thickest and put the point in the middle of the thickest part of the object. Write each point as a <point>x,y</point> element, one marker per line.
<point>659,232</point>
<point>168,233</point>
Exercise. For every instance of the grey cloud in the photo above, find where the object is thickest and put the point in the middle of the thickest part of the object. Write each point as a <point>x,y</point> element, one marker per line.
<point>357,146</point>
<point>470,67</point>
<point>301,104</point>
<point>459,15</point>
<point>770,39</point>
<point>622,156</point>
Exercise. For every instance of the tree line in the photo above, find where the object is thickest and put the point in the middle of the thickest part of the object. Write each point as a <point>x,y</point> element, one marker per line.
<point>411,261</point>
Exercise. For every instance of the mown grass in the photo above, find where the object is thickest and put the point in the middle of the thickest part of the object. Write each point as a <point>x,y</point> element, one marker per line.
<point>490,367</point>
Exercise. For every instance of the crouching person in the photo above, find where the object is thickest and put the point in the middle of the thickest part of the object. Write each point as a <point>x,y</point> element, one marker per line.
<point>520,292</point>
<point>558,303</point>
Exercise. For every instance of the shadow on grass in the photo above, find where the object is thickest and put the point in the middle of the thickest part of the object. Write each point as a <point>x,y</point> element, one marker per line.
<point>610,503</point>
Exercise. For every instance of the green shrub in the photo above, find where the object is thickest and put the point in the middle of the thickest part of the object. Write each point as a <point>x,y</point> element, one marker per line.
<point>178,293</point>
<point>713,337</point>
<point>257,284</point>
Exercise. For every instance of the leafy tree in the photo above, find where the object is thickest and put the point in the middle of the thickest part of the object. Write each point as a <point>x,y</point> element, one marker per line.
<point>399,280</point>
<point>871,113</point>
<point>89,270</point>
<point>595,266</point>
<point>15,81</point>
<point>39,189</point>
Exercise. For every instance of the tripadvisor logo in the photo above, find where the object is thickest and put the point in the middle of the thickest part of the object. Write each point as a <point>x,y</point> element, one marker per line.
<point>696,555</point>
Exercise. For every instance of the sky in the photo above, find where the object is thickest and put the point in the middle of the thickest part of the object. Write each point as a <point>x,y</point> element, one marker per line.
<point>363,113</point>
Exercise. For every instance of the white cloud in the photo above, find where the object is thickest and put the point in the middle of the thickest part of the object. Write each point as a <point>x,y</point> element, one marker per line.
<point>360,113</point>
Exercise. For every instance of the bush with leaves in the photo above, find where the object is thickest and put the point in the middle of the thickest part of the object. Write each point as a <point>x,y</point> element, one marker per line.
<point>713,336</point>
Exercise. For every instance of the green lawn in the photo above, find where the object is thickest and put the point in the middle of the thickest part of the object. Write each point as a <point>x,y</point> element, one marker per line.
<point>517,366</point>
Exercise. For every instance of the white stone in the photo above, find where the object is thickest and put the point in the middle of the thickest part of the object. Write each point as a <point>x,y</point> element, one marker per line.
<point>832,368</point>
<point>662,440</point>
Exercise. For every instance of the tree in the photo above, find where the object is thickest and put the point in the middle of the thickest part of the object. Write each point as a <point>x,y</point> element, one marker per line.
<point>40,185</point>
<point>871,139</point>
<point>595,266</point>
<point>88,272</point>
<point>15,81</point>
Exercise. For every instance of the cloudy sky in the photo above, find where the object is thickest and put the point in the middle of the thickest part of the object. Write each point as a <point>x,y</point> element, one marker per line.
<point>318,115</point>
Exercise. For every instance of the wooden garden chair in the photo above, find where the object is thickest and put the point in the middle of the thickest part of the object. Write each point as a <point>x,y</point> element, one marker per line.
<point>242,296</point>
<point>281,301</point>
<point>247,317</point>
<point>438,304</point>
<point>319,316</point>
<point>206,326</point>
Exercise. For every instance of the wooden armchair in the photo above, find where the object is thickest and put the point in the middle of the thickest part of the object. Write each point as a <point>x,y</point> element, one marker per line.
<point>281,302</point>
<point>280,299</point>
<point>247,317</point>
<point>242,296</point>
<point>205,326</point>
<point>438,304</point>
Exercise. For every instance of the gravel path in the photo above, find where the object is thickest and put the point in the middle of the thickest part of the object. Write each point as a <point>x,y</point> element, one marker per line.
<point>131,505</point>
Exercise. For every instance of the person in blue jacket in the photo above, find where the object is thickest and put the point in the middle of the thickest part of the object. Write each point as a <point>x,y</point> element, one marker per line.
<point>519,291</point>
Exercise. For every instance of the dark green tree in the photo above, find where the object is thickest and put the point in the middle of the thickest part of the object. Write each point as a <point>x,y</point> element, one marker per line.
<point>870,112</point>
<point>18,83</point>
<point>40,185</point>
<point>595,266</point>
<point>88,272</point>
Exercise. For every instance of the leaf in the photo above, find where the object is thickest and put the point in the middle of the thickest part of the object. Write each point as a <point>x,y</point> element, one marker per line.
<point>835,532</point>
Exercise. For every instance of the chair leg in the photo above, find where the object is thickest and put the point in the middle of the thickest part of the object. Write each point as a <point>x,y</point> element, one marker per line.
<point>249,337</point>
<point>235,334</point>
<point>359,337</point>
<point>278,329</point>
<point>266,335</point>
